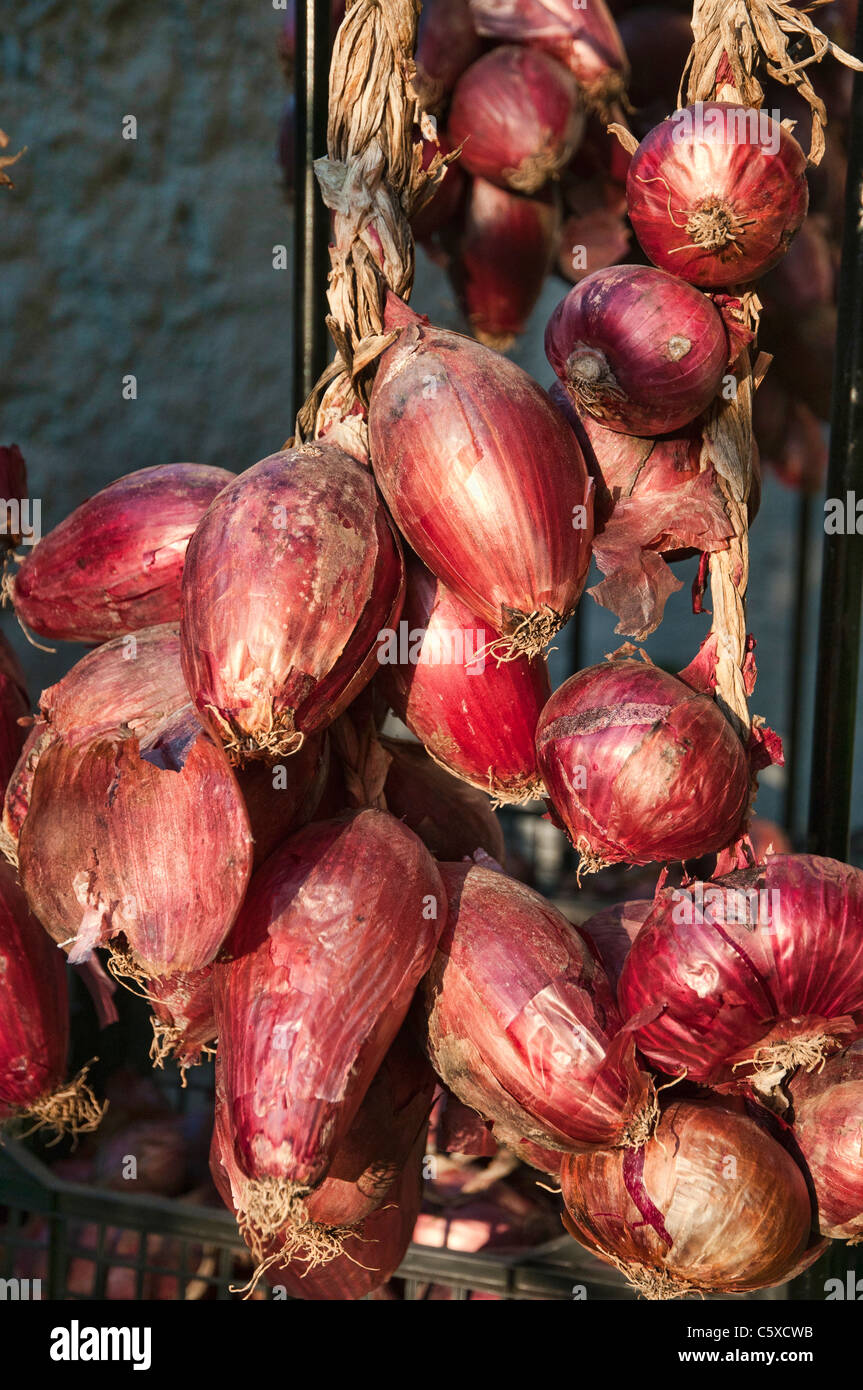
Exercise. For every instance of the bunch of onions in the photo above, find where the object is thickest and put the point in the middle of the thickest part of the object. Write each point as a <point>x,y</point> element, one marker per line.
<point>447,43</point>
<point>115,565</point>
<point>519,116</point>
<point>452,819</point>
<point>751,975</point>
<point>711,1204</point>
<point>347,910</point>
<point>505,249</point>
<point>612,932</point>
<point>522,1022</point>
<point>639,767</point>
<point>484,479</point>
<point>828,1132</point>
<point>34,1032</point>
<point>291,574</point>
<point>716,193</point>
<point>14,706</point>
<point>638,349</point>
<point>474,716</point>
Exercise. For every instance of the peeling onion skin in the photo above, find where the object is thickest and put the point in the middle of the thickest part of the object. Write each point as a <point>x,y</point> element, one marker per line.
<point>34,1006</point>
<point>717,212</point>
<point>711,1204</point>
<point>145,835</point>
<point>666,777</point>
<point>641,351</point>
<point>452,819</point>
<point>115,564</point>
<point>290,576</point>
<point>478,718</point>
<point>719,990</point>
<point>482,476</point>
<point>828,1130</point>
<point>315,982</point>
<point>522,1020</point>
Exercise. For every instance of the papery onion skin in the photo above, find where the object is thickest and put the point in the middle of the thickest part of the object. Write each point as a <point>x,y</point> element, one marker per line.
<point>476,717</point>
<point>115,564</point>
<point>483,478</point>
<point>144,835</point>
<point>447,43</point>
<point>341,911</point>
<point>716,993</point>
<point>451,818</point>
<point>664,775</point>
<point>522,1020</point>
<point>613,930</point>
<point>711,1204</point>
<point>828,1133</point>
<point>584,38</point>
<point>289,577</point>
<point>640,350</point>
<point>518,115</point>
<point>712,204</point>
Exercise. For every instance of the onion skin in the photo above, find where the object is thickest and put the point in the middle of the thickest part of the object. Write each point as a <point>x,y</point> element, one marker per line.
<point>711,1204</point>
<point>452,819</point>
<point>640,350</point>
<point>717,211</point>
<point>519,116</point>
<point>665,775</point>
<point>522,1020</point>
<point>290,576</point>
<point>444,205</point>
<point>447,43</point>
<point>715,993</point>
<point>337,912</point>
<point>828,1131</point>
<point>612,932</point>
<point>585,39</point>
<point>478,718</point>
<point>483,479</point>
<point>34,1005</point>
<point>115,564</point>
<point>144,835</point>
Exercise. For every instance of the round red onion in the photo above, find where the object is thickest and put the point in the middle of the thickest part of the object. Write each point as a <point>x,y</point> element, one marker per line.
<point>452,819</point>
<point>639,349</point>
<point>290,576</point>
<point>711,1204</point>
<point>613,930</point>
<point>639,767</point>
<point>583,37</point>
<point>476,717</point>
<point>447,43</point>
<point>828,1131</point>
<point>483,478</point>
<point>115,564</point>
<point>518,114</point>
<point>522,1022</point>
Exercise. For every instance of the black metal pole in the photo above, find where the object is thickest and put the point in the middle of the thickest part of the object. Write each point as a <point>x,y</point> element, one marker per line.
<point>801,560</point>
<point>837,670</point>
<point>311,218</point>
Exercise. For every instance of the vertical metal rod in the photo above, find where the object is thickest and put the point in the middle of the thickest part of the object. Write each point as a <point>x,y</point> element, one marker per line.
<point>311,218</point>
<point>801,557</point>
<point>837,669</point>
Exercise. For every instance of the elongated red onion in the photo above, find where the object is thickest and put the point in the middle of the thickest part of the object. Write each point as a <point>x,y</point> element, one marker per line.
<point>613,930</point>
<point>346,910</point>
<point>504,253</point>
<point>640,350</point>
<point>639,767</point>
<point>711,1204</point>
<point>582,36</point>
<point>522,1022</point>
<point>751,975</point>
<point>115,564</point>
<point>290,576</point>
<point>484,479</point>
<point>519,115</point>
<point>447,43</point>
<point>451,818</point>
<point>828,1132</point>
<point>34,1023</point>
<point>716,193</point>
<point>14,705</point>
<point>142,833</point>
<point>476,717</point>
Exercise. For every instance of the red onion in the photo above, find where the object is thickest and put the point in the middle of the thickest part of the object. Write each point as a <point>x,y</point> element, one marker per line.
<point>159,1149</point>
<point>751,975</point>
<point>828,1131</point>
<point>804,353</point>
<point>349,910</point>
<point>583,36</point>
<point>476,717</point>
<point>518,114</point>
<point>792,439</point>
<point>805,278</point>
<point>711,1204</point>
<point>522,1020</point>
<point>591,241</point>
<point>716,193</point>
<point>640,350</point>
<point>504,253</point>
<point>483,478</point>
<point>115,564</point>
<point>451,818</point>
<point>14,705</point>
<point>447,43</point>
<point>290,576</point>
<point>639,767</point>
<point>613,930</point>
